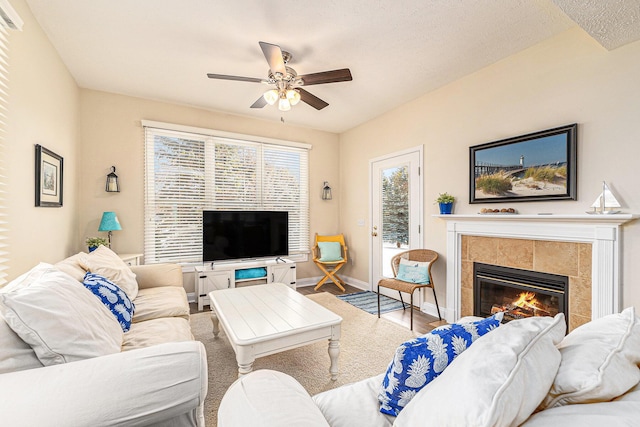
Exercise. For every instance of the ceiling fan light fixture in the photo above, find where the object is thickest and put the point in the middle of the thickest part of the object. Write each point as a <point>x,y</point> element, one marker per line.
<point>288,84</point>
<point>284,104</point>
<point>293,96</point>
<point>271,96</point>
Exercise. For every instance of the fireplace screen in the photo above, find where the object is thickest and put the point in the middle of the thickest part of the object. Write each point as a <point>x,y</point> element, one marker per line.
<point>519,293</point>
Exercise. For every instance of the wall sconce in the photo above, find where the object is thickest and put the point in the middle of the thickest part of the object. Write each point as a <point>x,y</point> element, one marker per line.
<point>112,182</point>
<point>326,191</point>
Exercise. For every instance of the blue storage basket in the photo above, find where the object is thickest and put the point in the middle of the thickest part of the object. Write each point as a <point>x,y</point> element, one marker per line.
<point>251,273</point>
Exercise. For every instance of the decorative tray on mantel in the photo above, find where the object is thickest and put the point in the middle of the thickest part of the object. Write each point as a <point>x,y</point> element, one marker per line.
<point>503,211</point>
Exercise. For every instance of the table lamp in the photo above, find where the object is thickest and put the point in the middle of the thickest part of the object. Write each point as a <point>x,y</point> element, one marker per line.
<point>109,223</point>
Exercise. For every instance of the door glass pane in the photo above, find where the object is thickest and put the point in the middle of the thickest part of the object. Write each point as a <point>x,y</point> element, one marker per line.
<point>395,214</point>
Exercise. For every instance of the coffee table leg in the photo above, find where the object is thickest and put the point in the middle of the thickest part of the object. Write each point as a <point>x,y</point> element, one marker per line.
<point>216,323</point>
<point>245,358</point>
<point>244,369</point>
<point>334,351</point>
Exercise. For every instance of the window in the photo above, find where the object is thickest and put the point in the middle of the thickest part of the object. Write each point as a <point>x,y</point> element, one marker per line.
<point>188,170</point>
<point>9,20</point>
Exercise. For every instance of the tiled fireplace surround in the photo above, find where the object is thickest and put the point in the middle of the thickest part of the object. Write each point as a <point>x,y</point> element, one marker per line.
<point>564,258</point>
<point>583,247</point>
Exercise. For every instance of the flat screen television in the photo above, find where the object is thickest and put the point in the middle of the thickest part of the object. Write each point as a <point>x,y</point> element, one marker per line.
<point>236,235</point>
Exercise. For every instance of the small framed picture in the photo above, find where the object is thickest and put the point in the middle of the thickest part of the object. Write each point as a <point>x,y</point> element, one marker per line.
<point>49,176</point>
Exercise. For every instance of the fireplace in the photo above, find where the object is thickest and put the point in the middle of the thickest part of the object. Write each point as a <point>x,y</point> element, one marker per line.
<point>589,248</point>
<point>518,293</point>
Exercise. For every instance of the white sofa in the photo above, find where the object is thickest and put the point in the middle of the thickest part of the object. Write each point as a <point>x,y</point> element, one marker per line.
<point>77,369</point>
<point>525,372</point>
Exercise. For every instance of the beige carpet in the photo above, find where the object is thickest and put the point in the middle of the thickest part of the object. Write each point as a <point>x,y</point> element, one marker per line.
<point>366,347</point>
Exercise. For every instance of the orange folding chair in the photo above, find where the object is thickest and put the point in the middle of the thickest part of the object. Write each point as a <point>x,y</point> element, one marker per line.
<point>330,255</point>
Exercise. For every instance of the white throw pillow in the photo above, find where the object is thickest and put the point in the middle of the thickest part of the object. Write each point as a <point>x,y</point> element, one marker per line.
<point>498,381</point>
<point>72,267</point>
<point>60,319</point>
<point>25,279</point>
<point>108,264</point>
<point>599,361</point>
<point>16,354</point>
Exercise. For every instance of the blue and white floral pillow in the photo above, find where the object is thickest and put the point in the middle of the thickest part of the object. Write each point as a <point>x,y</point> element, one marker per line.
<point>113,297</point>
<point>417,362</point>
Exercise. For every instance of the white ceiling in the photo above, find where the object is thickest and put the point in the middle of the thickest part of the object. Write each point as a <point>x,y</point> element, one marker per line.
<point>397,50</point>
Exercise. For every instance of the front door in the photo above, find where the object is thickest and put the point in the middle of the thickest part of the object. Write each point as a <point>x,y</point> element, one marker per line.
<point>396,210</point>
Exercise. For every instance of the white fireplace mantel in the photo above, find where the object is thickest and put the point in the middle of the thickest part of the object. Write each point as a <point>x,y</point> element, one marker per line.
<point>602,231</point>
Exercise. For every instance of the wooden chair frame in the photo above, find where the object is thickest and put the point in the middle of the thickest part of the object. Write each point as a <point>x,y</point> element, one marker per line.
<point>422,255</point>
<point>330,268</point>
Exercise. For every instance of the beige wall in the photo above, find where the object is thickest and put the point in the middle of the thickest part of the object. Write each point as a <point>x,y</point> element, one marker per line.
<point>43,109</point>
<point>111,134</point>
<point>566,79</point>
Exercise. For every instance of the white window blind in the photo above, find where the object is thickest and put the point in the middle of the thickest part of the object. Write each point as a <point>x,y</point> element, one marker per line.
<point>188,172</point>
<point>3,180</point>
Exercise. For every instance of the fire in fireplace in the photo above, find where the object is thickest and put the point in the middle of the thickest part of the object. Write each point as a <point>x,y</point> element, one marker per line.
<point>518,293</point>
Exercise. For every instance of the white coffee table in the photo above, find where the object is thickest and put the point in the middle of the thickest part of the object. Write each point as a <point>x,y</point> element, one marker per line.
<point>266,319</point>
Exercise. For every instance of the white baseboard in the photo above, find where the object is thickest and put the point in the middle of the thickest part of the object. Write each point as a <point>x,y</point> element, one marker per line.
<point>431,310</point>
<point>312,281</point>
<point>357,283</point>
<point>309,281</point>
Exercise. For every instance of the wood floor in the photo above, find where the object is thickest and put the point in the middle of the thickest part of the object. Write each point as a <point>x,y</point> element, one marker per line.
<point>422,323</point>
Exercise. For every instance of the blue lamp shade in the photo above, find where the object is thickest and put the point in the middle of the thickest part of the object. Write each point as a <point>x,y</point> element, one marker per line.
<point>109,222</point>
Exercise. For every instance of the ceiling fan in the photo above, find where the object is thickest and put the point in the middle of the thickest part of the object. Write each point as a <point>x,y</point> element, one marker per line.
<point>288,90</point>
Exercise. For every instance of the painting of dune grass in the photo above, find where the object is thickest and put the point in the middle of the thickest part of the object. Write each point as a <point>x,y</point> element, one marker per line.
<point>536,166</point>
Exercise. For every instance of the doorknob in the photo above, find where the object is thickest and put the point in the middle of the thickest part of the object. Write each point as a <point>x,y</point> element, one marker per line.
<point>374,233</point>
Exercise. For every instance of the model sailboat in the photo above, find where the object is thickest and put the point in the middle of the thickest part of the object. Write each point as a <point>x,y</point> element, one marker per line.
<point>606,203</point>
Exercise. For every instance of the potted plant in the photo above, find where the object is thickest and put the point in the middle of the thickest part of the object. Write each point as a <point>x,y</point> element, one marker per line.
<point>445,201</point>
<point>94,242</point>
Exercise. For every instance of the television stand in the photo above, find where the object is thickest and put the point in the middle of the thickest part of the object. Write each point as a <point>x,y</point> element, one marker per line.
<point>222,275</point>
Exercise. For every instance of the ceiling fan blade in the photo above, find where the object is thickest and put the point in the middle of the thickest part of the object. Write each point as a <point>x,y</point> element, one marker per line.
<point>342,75</point>
<point>273,53</point>
<point>260,102</point>
<point>311,99</point>
<point>237,78</point>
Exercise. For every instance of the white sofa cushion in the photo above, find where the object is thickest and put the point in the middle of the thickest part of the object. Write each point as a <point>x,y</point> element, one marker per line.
<point>354,404</point>
<point>498,381</point>
<point>599,361</point>
<point>105,262</point>
<point>157,331</point>
<point>154,303</point>
<point>610,414</point>
<point>250,401</point>
<point>60,319</point>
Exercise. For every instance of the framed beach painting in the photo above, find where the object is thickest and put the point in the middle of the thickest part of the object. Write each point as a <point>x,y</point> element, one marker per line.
<point>49,177</point>
<point>532,167</point>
